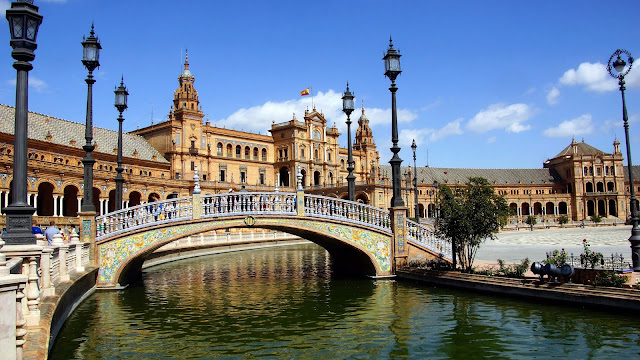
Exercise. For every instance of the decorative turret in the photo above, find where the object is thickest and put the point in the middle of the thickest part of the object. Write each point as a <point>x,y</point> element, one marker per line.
<point>185,98</point>
<point>364,135</point>
<point>616,146</point>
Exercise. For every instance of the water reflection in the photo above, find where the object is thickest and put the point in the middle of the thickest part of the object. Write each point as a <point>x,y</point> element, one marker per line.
<point>286,302</point>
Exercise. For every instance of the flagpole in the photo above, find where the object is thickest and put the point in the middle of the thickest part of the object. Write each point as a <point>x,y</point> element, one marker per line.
<point>311,91</point>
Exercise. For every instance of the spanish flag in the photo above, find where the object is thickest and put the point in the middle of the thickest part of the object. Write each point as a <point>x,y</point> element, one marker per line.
<point>305,92</point>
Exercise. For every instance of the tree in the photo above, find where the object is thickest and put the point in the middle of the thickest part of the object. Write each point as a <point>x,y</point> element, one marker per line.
<point>470,215</point>
<point>563,220</point>
<point>596,219</point>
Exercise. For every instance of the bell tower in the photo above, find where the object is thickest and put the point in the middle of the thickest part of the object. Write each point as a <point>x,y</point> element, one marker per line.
<point>185,99</point>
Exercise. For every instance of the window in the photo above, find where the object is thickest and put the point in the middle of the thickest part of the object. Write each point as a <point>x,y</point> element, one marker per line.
<point>606,170</point>
<point>585,171</point>
<point>219,149</point>
<point>238,151</point>
<point>247,153</point>
<point>193,166</point>
<point>229,147</point>
<point>177,175</point>
<point>599,171</point>
<point>243,177</point>
<point>177,139</point>
<point>316,135</point>
<point>302,152</point>
<point>264,154</point>
<point>193,144</point>
<point>255,153</point>
<point>262,178</point>
<point>329,156</point>
<point>223,176</point>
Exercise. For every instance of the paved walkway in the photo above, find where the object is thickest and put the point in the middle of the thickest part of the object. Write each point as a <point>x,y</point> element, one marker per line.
<point>514,246</point>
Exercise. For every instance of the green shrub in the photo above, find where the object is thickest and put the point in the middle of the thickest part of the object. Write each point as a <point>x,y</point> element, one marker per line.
<point>611,279</point>
<point>564,219</point>
<point>589,257</point>
<point>557,258</point>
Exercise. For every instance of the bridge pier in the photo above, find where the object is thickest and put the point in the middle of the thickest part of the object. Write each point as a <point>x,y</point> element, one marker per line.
<point>88,233</point>
<point>399,248</point>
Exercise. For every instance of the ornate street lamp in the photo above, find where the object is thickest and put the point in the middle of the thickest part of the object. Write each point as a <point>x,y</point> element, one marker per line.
<point>618,69</point>
<point>392,70</point>
<point>120,104</point>
<point>435,186</point>
<point>347,108</point>
<point>24,21</point>
<point>90,58</point>
<point>415,181</point>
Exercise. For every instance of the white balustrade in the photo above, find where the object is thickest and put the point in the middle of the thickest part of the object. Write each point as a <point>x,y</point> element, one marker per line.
<point>241,203</point>
<point>425,235</point>
<point>332,208</point>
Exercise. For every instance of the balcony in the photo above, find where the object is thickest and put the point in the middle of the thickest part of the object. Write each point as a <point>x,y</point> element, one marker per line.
<point>601,193</point>
<point>193,151</point>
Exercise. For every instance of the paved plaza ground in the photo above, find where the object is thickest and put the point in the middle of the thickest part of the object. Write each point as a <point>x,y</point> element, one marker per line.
<point>513,246</point>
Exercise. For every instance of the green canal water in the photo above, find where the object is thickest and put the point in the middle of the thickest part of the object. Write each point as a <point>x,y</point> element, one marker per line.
<point>286,302</point>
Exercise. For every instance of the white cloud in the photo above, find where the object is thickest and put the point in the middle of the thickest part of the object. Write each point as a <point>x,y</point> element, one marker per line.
<point>511,118</point>
<point>581,125</point>
<point>4,5</point>
<point>259,118</point>
<point>552,96</point>
<point>491,140</point>
<point>594,76</point>
<point>422,136</point>
<point>34,83</point>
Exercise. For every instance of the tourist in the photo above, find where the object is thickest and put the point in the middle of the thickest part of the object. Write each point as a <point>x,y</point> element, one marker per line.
<point>35,229</point>
<point>73,230</point>
<point>64,235</point>
<point>50,231</point>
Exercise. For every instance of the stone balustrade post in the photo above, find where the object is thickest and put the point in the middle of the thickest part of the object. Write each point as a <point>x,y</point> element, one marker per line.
<point>62,259</point>
<point>41,240</point>
<point>399,248</point>
<point>20,320</point>
<point>78,250</point>
<point>196,206</point>
<point>45,267</point>
<point>11,319</point>
<point>57,240</point>
<point>33,293</point>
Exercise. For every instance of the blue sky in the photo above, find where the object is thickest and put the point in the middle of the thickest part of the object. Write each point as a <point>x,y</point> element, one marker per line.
<point>485,84</point>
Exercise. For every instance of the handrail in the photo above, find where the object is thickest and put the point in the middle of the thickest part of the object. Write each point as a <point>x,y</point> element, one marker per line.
<point>136,217</point>
<point>358,213</point>
<point>280,203</point>
<point>426,236</point>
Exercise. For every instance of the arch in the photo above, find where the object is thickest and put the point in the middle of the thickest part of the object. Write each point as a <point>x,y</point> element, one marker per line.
<point>549,208</point>
<point>421,210</point>
<point>513,209</point>
<point>342,164</point>
<point>229,150</point>
<point>331,178</point>
<point>526,210</point>
<point>588,187</point>
<point>562,208</point>
<point>70,203</point>
<point>369,248</point>
<point>247,152</point>
<point>238,151</point>
<point>45,204</point>
<point>134,198</point>
<point>610,186</point>
<point>255,153</point>
<point>304,176</point>
<point>537,208</point>
<point>152,196</point>
<point>362,198</point>
<point>602,208</point>
<point>219,148</point>
<point>613,208</point>
<point>111,205</point>
<point>316,178</point>
<point>264,154</point>
<point>284,176</point>
<point>590,208</point>
<point>600,186</point>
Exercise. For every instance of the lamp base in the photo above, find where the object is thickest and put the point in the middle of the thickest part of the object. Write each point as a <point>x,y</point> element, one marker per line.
<point>19,225</point>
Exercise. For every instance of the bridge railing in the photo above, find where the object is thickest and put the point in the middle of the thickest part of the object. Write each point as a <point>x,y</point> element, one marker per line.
<point>140,216</point>
<point>332,208</point>
<point>240,203</point>
<point>425,235</point>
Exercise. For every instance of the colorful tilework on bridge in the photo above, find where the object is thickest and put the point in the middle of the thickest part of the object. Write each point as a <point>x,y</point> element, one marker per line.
<point>113,254</point>
<point>377,246</point>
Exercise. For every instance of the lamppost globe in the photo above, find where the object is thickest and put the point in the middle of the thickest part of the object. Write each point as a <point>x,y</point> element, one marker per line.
<point>24,21</point>
<point>121,96</point>
<point>618,69</point>
<point>347,108</point>
<point>91,51</point>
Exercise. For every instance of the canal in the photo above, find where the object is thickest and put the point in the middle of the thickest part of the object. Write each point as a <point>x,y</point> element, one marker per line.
<point>286,302</point>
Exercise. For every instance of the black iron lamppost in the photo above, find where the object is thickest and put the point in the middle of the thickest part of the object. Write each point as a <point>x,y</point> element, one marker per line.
<point>621,70</point>
<point>24,21</point>
<point>90,58</point>
<point>121,105</point>
<point>347,108</point>
<point>435,186</point>
<point>392,70</point>
<point>415,181</point>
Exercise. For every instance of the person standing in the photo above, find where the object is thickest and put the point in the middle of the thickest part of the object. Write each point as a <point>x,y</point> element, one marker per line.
<point>50,231</point>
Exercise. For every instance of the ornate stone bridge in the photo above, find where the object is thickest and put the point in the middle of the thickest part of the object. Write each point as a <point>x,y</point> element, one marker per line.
<point>373,239</point>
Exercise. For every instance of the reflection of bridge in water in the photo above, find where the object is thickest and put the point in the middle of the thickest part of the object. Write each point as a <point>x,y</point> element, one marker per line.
<point>362,235</point>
